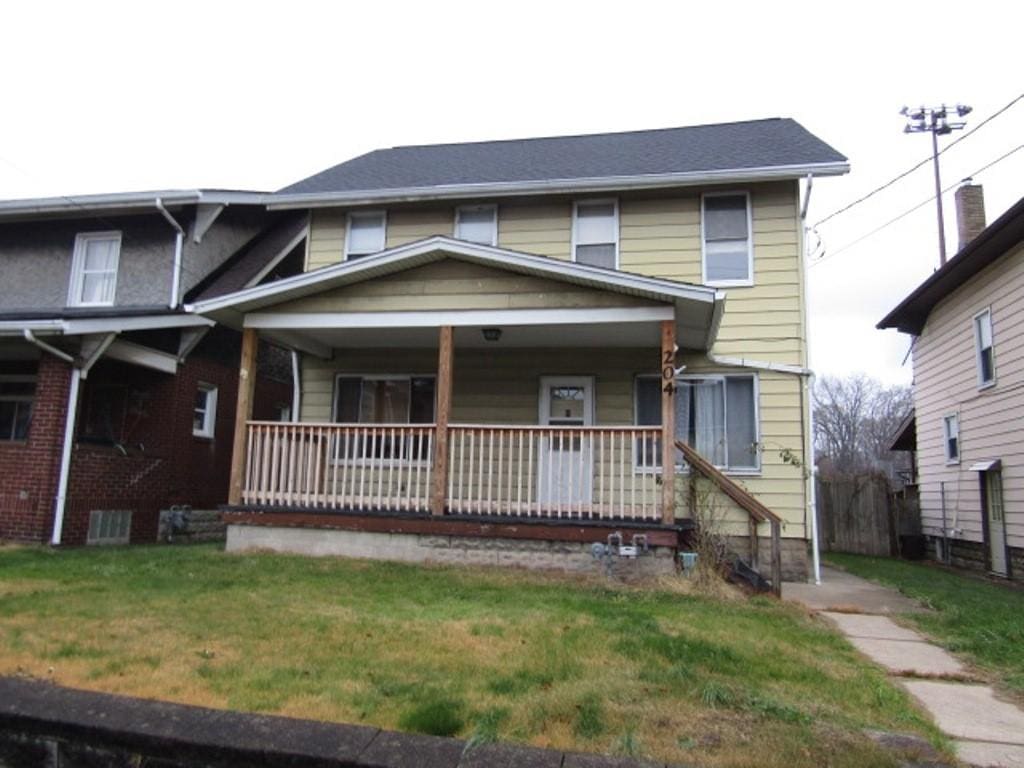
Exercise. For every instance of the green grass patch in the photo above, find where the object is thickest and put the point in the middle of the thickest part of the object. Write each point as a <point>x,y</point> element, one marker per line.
<point>971,616</point>
<point>482,654</point>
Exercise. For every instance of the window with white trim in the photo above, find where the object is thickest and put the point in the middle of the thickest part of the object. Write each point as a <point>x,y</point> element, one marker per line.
<point>365,233</point>
<point>716,415</point>
<point>951,437</point>
<point>109,526</point>
<point>94,269</point>
<point>477,224</point>
<point>204,414</point>
<point>595,233</point>
<point>17,392</point>
<point>727,245</point>
<point>984,352</point>
<point>393,399</point>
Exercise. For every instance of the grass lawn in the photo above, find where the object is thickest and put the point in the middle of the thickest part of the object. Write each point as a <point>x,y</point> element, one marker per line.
<point>478,653</point>
<point>980,619</point>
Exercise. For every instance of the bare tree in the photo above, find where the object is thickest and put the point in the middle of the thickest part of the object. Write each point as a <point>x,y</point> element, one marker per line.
<point>855,418</point>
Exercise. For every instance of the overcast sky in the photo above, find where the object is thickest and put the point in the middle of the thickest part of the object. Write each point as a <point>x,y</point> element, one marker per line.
<point>102,97</point>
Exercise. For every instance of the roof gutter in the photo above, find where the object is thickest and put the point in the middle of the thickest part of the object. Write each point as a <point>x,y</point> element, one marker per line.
<point>31,339</point>
<point>179,238</point>
<point>126,200</point>
<point>282,201</point>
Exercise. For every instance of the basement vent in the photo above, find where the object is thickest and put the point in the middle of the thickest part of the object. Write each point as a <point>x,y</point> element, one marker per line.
<point>109,526</point>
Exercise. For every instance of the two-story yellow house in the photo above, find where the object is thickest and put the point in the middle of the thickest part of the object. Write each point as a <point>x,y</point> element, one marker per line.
<point>500,343</point>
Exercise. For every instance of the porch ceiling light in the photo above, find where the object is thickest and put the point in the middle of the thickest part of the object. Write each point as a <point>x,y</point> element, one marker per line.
<point>491,334</point>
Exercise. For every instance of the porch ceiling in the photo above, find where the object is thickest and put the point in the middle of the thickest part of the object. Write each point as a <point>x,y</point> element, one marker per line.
<point>610,335</point>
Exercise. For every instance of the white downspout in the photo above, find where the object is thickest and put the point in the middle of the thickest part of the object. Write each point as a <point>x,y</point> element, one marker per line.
<point>179,238</point>
<point>77,374</point>
<point>296,387</point>
<point>812,476</point>
<point>31,339</point>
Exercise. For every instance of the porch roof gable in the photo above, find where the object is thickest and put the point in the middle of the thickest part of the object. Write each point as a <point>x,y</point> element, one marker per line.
<point>232,308</point>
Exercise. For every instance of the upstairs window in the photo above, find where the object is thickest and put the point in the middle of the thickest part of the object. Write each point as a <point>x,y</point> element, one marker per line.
<point>204,413</point>
<point>983,349</point>
<point>477,224</point>
<point>365,233</point>
<point>94,269</point>
<point>728,251</point>
<point>951,434</point>
<point>716,415</point>
<point>17,392</point>
<point>595,233</point>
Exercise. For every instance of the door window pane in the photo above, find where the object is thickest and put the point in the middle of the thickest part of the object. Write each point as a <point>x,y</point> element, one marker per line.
<point>566,405</point>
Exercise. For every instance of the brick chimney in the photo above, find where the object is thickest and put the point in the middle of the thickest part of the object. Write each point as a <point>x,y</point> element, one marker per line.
<point>970,212</point>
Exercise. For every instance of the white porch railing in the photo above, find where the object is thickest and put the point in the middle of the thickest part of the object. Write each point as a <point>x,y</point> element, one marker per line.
<point>528,471</point>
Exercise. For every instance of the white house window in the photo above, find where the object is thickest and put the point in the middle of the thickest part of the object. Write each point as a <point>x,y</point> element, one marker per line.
<point>716,415</point>
<point>983,348</point>
<point>596,233</point>
<point>951,434</point>
<point>94,269</point>
<point>16,395</point>
<point>383,400</point>
<point>477,224</point>
<point>366,233</point>
<point>204,417</point>
<point>728,251</point>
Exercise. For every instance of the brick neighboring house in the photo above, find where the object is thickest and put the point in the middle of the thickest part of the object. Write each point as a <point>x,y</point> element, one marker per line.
<point>92,323</point>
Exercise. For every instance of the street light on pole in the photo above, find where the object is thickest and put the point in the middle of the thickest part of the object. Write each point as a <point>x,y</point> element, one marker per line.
<point>935,120</point>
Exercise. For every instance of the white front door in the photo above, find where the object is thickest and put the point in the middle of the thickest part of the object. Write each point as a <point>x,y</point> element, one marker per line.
<point>996,520</point>
<point>565,472</point>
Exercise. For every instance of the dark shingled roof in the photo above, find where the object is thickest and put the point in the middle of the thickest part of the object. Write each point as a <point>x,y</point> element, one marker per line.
<point>993,243</point>
<point>766,143</point>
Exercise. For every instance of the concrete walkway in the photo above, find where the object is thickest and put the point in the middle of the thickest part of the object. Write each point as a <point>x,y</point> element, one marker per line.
<point>985,730</point>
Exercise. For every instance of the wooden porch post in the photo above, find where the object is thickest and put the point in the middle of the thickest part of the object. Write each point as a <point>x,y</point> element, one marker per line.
<point>243,413</point>
<point>444,408</point>
<point>668,421</point>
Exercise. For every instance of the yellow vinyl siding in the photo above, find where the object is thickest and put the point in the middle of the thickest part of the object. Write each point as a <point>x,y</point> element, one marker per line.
<point>409,225</point>
<point>503,388</point>
<point>544,230</point>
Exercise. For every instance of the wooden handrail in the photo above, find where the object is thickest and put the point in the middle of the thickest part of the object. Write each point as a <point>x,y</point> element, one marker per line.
<point>746,502</point>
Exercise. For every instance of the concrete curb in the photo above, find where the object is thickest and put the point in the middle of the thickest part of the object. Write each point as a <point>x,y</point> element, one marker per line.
<point>33,712</point>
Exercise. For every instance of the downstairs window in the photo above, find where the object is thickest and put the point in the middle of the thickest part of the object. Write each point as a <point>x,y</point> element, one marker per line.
<point>392,400</point>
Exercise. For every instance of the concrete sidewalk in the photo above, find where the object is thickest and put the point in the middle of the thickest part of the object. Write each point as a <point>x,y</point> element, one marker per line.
<point>985,730</point>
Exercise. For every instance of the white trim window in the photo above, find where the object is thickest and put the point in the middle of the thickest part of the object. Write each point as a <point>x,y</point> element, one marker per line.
<point>951,437</point>
<point>204,413</point>
<point>17,392</point>
<point>477,224</point>
<point>984,349</point>
<point>717,415</point>
<point>595,233</point>
<point>365,233</point>
<point>94,269</point>
<point>727,245</point>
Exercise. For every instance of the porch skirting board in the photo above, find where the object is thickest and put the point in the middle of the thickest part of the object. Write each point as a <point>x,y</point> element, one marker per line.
<point>568,556</point>
<point>795,560</point>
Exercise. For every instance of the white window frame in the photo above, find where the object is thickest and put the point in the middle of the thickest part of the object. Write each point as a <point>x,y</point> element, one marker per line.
<point>98,517</point>
<point>749,281</point>
<point>489,207</point>
<point>209,427</point>
<point>19,378</point>
<point>682,466</point>
<point>614,202</point>
<point>77,281</point>
<point>947,435</point>
<point>976,325</point>
<point>383,214</point>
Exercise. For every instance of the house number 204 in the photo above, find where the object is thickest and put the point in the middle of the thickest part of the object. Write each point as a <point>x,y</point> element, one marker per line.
<point>668,373</point>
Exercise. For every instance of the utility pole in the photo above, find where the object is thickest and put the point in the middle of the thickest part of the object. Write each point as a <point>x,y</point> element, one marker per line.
<point>935,120</point>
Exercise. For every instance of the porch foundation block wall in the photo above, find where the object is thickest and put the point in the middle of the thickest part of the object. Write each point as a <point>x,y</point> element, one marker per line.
<point>972,556</point>
<point>795,560</point>
<point>572,557</point>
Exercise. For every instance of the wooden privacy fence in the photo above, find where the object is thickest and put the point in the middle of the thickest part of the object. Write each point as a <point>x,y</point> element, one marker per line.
<point>856,515</point>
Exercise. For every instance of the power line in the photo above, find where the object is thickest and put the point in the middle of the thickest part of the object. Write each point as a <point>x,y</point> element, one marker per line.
<point>917,207</point>
<point>924,162</point>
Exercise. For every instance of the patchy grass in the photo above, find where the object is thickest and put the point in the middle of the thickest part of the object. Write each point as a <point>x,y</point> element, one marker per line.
<point>972,616</point>
<point>482,654</point>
